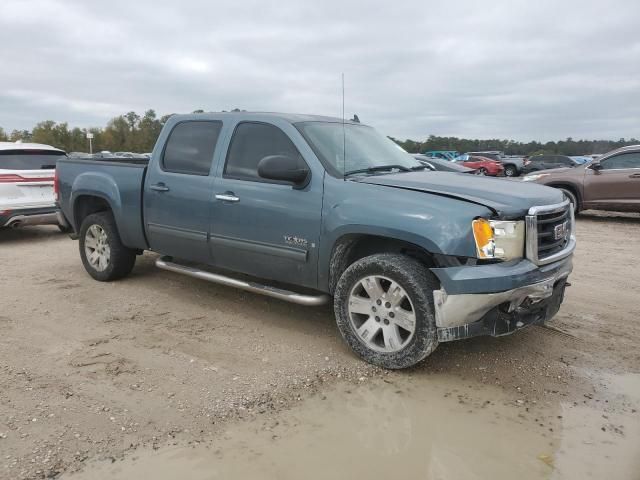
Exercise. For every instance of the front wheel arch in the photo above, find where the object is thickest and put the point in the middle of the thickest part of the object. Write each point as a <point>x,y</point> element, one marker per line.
<point>352,247</point>
<point>573,191</point>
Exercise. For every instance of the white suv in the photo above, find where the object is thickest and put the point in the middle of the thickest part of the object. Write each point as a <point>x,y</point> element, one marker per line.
<point>26,184</point>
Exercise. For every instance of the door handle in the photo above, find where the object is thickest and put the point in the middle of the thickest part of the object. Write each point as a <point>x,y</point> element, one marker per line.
<point>227,197</point>
<point>634,175</point>
<point>159,187</point>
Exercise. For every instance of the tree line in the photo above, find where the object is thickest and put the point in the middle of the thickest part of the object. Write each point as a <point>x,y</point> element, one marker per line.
<point>512,147</point>
<point>133,132</point>
<point>130,132</point>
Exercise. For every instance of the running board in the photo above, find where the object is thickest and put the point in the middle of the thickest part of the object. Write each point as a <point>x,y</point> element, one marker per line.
<point>165,263</point>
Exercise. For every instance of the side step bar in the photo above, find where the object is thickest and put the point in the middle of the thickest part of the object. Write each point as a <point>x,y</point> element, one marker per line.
<point>165,263</point>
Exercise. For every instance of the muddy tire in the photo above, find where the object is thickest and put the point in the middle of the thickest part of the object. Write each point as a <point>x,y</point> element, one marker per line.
<point>384,310</point>
<point>103,255</point>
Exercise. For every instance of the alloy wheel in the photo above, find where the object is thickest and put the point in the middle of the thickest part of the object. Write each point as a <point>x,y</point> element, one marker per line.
<point>381,314</point>
<point>96,248</point>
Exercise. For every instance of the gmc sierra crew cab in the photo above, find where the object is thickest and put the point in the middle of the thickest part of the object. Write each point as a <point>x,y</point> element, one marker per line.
<point>307,208</point>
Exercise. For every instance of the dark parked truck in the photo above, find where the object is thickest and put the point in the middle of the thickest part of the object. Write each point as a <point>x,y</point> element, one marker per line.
<point>305,208</point>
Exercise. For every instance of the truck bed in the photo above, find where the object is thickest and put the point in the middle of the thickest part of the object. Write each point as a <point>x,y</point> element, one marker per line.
<point>117,160</point>
<point>118,181</point>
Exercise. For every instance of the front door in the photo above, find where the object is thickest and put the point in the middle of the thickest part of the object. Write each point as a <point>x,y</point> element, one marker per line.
<point>178,191</point>
<point>261,227</point>
<point>616,184</point>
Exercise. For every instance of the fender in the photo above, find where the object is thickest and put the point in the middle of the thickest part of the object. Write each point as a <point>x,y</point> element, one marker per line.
<point>104,186</point>
<point>436,224</point>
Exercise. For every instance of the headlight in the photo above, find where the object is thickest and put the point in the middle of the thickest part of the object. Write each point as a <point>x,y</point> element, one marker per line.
<point>498,239</point>
<point>533,178</point>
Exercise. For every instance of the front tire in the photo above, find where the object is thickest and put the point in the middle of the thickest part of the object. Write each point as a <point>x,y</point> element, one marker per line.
<point>384,310</point>
<point>103,255</point>
<point>482,171</point>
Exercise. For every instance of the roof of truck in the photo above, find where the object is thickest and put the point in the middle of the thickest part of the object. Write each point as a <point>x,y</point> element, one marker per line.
<point>289,117</point>
<point>27,146</point>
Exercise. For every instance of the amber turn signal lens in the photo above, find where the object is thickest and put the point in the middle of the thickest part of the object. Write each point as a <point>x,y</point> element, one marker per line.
<point>483,234</point>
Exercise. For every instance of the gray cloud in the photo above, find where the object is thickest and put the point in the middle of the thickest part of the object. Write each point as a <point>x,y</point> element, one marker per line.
<point>506,69</point>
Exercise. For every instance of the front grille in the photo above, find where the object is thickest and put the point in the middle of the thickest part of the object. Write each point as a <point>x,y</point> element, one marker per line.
<point>548,225</point>
<point>549,232</point>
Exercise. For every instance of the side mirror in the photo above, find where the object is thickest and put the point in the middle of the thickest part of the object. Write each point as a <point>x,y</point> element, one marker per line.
<point>283,168</point>
<point>595,165</point>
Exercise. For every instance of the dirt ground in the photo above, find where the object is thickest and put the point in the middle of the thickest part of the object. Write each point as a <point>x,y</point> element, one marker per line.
<point>91,373</point>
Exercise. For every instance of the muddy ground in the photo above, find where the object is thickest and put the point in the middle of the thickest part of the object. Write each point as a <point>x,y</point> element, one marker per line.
<point>92,373</point>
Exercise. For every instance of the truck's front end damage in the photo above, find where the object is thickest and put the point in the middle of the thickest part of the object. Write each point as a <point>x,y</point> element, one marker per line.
<point>500,298</point>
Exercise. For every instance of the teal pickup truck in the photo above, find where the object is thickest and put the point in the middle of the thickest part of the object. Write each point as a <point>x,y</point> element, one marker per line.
<point>308,209</point>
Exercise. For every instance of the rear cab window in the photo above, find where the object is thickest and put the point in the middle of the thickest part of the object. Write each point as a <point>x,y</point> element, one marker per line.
<point>30,159</point>
<point>190,147</point>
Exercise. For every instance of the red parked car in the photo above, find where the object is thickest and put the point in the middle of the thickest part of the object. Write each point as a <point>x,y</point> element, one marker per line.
<point>482,165</point>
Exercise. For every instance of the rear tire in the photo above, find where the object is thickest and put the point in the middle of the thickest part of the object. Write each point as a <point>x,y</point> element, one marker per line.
<point>384,310</point>
<point>103,255</point>
<point>482,171</point>
<point>510,171</point>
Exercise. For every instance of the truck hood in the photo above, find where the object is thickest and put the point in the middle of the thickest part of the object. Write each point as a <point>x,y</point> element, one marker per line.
<point>509,199</point>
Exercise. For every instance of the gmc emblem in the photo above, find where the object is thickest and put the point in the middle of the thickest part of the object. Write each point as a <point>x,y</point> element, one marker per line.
<point>561,231</point>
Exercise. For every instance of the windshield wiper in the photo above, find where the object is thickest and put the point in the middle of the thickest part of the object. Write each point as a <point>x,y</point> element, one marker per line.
<point>419,167</point>
<point>379,168</point>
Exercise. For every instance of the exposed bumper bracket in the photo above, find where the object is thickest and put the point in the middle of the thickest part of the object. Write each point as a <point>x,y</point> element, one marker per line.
<point>463,309</point>
<point>499,321</point>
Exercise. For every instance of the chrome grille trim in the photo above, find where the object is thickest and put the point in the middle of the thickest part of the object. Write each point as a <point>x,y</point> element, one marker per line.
<point>532,243</point>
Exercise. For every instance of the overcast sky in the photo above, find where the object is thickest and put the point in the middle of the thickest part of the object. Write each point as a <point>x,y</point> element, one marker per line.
<point>482,69</point>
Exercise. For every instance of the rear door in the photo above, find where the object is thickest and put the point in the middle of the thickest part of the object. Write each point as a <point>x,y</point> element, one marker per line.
<point>26,178</point>
<point>616,184</point>
<point>261,227</point>
<point>178,191</point>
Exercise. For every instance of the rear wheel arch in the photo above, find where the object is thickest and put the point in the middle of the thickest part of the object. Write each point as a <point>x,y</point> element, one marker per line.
<point>350,248</point>
<point>85,205</point>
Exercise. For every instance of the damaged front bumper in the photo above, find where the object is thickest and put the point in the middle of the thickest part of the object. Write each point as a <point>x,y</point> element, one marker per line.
<point>533,300</point>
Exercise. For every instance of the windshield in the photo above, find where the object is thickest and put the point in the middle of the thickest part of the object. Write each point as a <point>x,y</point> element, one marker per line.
<point>365,148</point>
<point>29,159</point>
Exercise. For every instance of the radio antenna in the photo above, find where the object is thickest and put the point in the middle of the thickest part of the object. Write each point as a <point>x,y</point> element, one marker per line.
<point>344,138</point>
